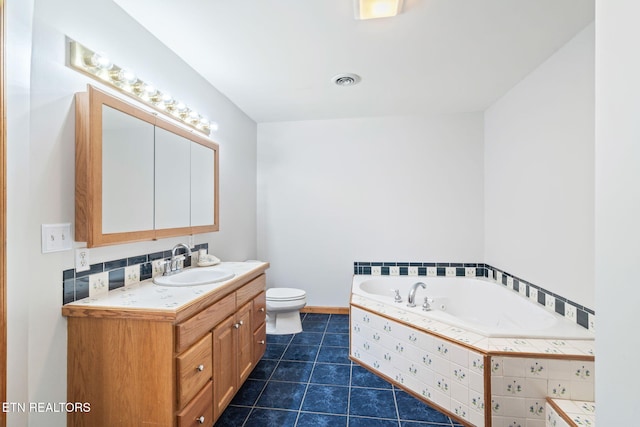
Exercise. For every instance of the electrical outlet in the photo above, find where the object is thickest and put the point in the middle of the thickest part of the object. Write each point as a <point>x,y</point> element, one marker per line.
<point>56,237</point>
<point>98,284</point>
<point>82,259</point>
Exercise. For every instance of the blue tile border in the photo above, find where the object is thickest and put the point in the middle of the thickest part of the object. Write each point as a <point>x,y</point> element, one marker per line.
<point>75,285</point>
<point>584,316</point>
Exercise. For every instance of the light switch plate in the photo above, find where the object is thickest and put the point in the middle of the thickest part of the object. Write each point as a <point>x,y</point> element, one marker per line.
<point>56,237</point>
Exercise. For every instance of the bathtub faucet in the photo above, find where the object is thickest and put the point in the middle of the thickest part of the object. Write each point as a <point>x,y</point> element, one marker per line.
<point>412,293</point>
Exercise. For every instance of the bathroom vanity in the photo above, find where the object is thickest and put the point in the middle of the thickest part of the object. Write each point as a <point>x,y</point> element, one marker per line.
<point>148,355</point>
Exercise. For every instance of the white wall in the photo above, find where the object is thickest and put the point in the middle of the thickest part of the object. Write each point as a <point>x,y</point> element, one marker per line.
<point>41,174</point>
<point>539,175</point>
<point>333,192</point>
<point>617,210</point>
<point>17,64</point>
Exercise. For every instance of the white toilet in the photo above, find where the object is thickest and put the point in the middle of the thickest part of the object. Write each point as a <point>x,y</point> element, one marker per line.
<point>283,310</point>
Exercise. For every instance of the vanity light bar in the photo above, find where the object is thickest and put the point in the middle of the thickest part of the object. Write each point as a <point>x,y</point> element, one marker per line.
<point>98,66</point>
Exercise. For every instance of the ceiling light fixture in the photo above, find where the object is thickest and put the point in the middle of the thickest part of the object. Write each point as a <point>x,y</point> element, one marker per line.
<point>98,66</point>
<point>346,79</point>
<point>370,9</point>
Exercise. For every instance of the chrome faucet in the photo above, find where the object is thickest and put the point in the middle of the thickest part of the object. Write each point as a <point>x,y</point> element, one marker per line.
<point>412,293</point>
<point>173,266</point>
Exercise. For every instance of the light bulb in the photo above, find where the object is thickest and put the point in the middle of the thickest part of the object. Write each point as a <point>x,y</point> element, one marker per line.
<point>101,61</point>
<point>127,76</point>
<point>194,117</point>
<point>149,90</point>
<point>167,99</point>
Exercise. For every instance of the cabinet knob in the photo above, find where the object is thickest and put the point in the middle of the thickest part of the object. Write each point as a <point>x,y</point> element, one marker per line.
<point>261,309</point>
<point>261,342</point>
<point>200,420</point>
<point>241,322</point>
<point>236,325</point>
<point>200,368</point>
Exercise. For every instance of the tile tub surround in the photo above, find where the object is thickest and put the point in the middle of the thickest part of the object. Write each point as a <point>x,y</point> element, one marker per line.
<point>518,374</point>
<point>570,413</point>
<point>520,388</point>
<point>573,311</point>
<point>119,273</point>
<point>307,380</point>
<point>446,374</point>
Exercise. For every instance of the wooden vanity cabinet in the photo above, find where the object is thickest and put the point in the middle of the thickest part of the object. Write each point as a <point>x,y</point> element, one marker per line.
<point>160,373</point>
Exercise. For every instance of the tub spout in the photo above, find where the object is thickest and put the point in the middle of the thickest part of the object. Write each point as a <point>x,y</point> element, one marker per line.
<point>412,293</point>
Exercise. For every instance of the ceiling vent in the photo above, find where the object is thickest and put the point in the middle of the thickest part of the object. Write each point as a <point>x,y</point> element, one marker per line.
<point>347,79</point>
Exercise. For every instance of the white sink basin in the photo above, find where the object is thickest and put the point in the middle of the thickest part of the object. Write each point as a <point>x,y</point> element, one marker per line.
<point>194,277</point>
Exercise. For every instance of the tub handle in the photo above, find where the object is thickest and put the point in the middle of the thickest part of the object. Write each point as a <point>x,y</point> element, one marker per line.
<point>397,297</point>
<point>426,306</point>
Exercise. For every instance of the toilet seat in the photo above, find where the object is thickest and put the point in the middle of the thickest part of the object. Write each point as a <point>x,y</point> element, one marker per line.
<point>285,294</point>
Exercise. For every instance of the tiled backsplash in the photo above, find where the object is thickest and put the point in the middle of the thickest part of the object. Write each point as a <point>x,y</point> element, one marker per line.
<point>109,275</point>
<point>583,316</point>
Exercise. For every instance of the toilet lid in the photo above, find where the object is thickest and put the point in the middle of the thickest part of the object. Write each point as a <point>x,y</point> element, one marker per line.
<point>285,294</point>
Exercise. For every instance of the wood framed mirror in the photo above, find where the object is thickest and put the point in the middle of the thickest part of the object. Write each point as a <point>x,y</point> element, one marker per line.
<point>138,176</point>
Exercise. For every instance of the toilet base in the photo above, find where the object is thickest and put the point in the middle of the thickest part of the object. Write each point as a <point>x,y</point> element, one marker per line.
<point>284,323</point>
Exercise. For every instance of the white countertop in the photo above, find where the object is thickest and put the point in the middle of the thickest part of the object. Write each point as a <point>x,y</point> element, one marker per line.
<point>146,295</point>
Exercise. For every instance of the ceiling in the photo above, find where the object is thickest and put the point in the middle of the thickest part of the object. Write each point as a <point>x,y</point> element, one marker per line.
<point>275,58</point>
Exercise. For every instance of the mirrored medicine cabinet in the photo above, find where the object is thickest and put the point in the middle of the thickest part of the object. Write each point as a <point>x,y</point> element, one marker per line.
<point>139,177</point>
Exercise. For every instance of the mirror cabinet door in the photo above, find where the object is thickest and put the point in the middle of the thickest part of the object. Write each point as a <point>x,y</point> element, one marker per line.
<point>202,185</point>
<point>127,172</point>
<point>172,164</point>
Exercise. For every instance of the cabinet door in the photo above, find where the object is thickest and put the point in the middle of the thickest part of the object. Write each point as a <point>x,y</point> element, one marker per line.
<point>172,180</point>
<point>127,172</point>
<point>245,341</point>
<point>225,367</point>
<point>203,186</point>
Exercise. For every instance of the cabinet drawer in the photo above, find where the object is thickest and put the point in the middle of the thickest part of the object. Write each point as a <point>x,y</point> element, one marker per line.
<point>259,342</point>
<point>259,309</point>
<point>194,369</point>
<point>195,327</point>
<point>199,412</point>
<point>251,289</point>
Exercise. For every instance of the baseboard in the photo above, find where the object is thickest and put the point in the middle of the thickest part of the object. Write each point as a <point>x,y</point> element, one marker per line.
<point>325,310</point>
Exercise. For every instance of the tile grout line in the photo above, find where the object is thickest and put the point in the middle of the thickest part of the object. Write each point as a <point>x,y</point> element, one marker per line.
<point>313,368</point>
<point>266,383</point>
<point>395,402</point>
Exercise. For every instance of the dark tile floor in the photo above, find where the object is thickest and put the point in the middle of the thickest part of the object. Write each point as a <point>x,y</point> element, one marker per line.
<point>307,380</point>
